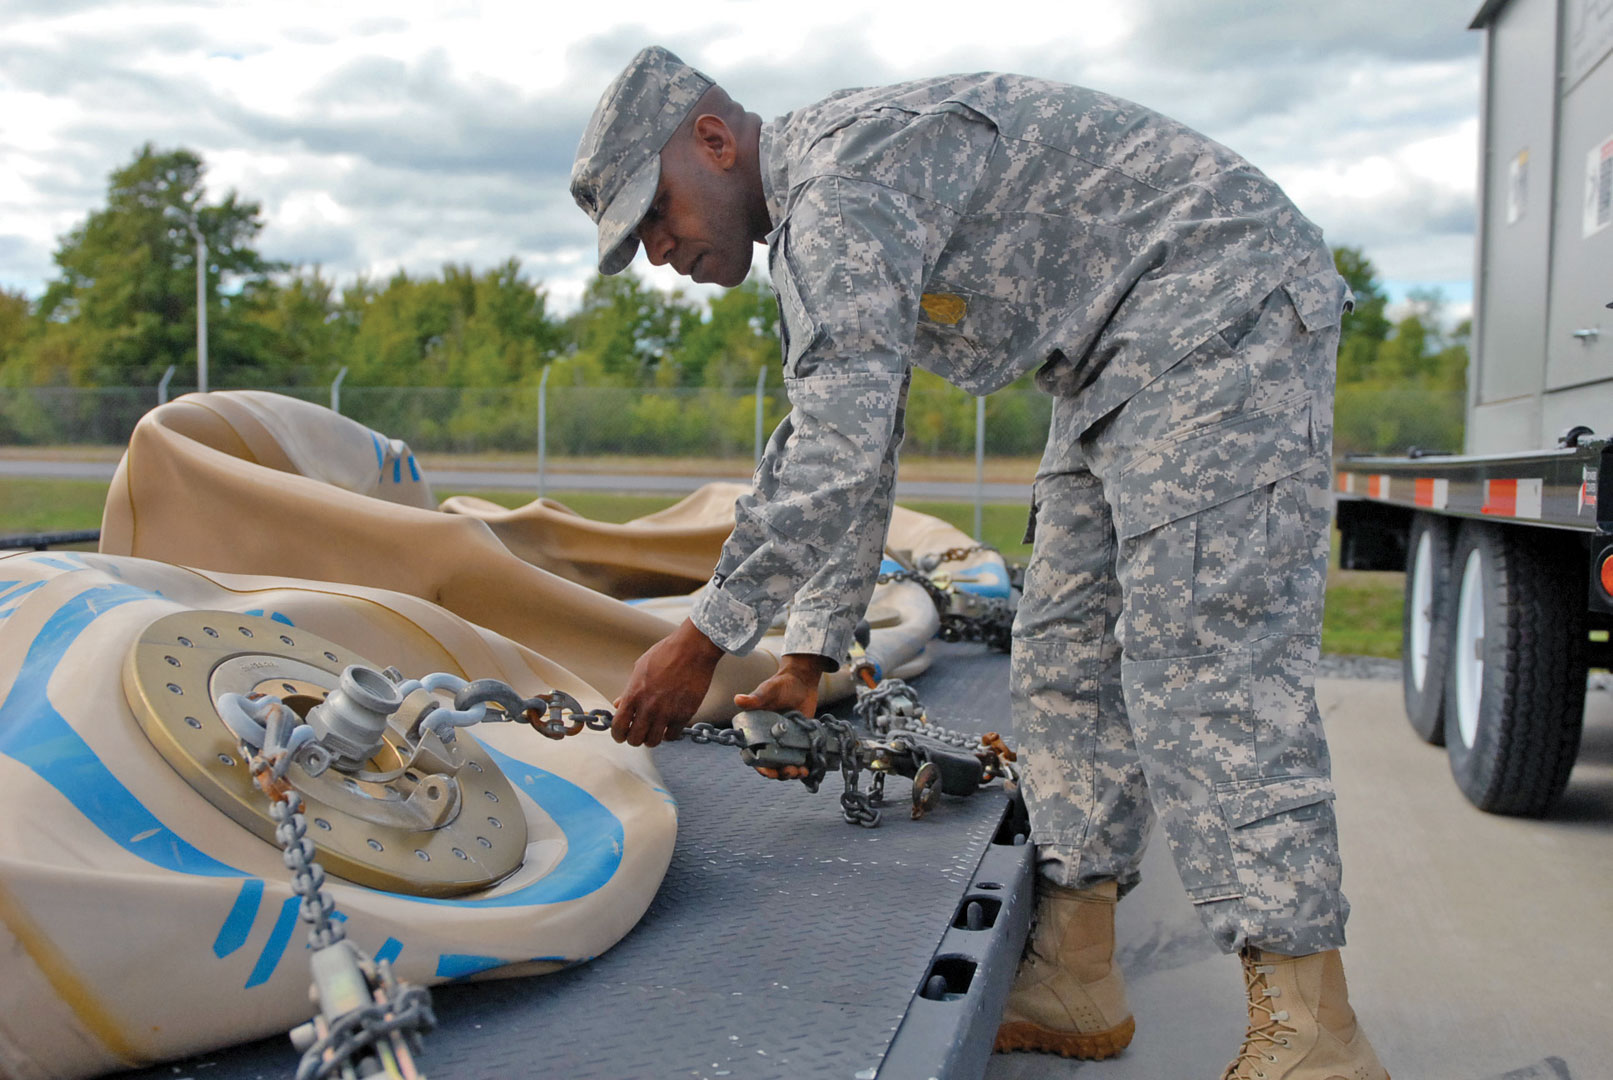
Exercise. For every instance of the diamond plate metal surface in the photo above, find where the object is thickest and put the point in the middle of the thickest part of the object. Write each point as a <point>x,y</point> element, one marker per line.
<point>783,943</point>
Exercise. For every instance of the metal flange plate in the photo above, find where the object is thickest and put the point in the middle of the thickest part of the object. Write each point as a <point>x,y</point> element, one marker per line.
<point>180,665</point>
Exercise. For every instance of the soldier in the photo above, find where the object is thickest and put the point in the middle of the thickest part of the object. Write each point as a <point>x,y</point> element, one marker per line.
<point>1185,317</point>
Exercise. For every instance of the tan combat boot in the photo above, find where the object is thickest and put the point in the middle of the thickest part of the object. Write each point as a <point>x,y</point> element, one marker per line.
<point>1068,997</point>
<point>1301,1026</point>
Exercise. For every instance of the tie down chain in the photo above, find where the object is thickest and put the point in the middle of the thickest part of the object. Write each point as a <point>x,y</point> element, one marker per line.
<point>371,1023</point>
<point>964,616</point>
<point>900,741</point>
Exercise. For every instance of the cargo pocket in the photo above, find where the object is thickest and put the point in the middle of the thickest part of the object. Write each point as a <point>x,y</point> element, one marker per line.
<point>1193,719</point>
<point>1284,842</point>
<point>1207,466</point>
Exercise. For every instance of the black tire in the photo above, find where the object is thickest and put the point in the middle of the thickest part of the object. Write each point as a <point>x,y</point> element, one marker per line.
<point>1513,733</point>
<point>1428,574</point>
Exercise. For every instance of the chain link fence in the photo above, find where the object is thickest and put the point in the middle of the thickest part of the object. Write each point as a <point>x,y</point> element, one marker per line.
<point>581,421</point>
<point>604,421</point>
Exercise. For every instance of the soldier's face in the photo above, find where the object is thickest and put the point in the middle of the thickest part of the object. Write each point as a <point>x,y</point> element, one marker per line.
<point>697,221</point>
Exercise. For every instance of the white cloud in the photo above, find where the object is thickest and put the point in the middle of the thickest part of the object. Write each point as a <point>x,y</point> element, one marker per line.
<point>402,134</point>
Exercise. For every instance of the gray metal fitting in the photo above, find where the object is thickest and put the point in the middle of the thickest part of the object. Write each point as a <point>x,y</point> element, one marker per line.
<point>351,720</point>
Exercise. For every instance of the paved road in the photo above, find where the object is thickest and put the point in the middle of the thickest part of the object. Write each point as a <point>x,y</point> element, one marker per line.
<point>1481,947</point>
<point>496,479</point>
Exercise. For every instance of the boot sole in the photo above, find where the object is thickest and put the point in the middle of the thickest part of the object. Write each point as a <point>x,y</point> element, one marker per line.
<point>1022,1035</point>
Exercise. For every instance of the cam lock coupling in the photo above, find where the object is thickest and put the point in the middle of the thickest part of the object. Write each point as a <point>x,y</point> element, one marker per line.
<point>351,720</point>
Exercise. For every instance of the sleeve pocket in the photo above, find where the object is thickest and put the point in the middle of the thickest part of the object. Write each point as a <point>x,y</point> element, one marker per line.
<point>1320,299</point>
<point>795,326</point>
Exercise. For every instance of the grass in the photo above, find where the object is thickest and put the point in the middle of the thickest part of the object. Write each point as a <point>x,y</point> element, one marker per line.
<point>1363,613</point>
<point>1363,608</point>
<point>36,506</point>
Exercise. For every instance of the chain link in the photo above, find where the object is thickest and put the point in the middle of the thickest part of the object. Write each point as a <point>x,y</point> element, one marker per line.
<point>705,734</point>
<point>995,627</point>
<point>954,554</point>
<point>938,596</point>
<point>990,620</point>
<point>855,807</point>
<point>399,1009</point>
<point>355,1032</point>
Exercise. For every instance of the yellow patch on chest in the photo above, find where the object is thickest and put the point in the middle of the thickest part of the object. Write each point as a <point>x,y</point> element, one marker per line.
<point>946,308</point>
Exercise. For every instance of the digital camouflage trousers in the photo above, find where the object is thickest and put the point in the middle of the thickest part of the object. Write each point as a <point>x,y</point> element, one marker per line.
<point>1164,651</point>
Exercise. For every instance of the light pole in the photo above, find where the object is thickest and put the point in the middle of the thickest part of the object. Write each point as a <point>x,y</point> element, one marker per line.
<point>176,214</point>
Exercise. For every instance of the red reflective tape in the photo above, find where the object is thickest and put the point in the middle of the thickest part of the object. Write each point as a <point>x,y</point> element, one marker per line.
<point>1424,492</point>
<point>1378,486</point>
<point>1500,498</point>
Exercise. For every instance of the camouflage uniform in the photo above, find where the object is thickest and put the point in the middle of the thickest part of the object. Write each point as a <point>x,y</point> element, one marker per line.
<point>1185,316</point>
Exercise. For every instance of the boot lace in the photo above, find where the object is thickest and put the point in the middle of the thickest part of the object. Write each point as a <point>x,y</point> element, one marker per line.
<point>1264,1035</point>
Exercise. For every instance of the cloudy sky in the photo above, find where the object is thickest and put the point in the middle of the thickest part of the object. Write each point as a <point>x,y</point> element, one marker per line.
<point>406,134</point>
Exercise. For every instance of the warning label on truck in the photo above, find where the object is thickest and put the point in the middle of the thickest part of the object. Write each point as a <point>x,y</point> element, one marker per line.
<point>1599,187</point>
<point>1517,186</point>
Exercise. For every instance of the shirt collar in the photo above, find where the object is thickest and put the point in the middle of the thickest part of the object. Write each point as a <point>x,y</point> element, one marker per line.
<point>772,186</point>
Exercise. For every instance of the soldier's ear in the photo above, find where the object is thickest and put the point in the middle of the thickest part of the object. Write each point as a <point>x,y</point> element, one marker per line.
<point>716,138</point>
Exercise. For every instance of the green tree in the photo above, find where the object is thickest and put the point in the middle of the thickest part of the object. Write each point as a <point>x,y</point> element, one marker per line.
<point>14,314</point>
<point>126,290</point>
<point>1400,384</point>
<point>1367,326</point>
<point>298,321</point>
<point>461,330</point>
<point>738,337</point>
<point>624,329</point>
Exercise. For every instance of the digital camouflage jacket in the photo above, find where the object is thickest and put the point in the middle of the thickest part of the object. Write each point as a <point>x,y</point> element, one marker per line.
<point>979,226</point>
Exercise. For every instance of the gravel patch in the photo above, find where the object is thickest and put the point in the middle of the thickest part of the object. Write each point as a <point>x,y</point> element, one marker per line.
<point>1345,666</point>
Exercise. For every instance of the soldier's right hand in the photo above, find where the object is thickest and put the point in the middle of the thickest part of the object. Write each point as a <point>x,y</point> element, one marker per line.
<point>794,688</point>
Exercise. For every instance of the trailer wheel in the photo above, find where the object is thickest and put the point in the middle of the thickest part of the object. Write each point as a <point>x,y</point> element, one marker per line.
<point>1516,679</point>
<point>1425,639</point>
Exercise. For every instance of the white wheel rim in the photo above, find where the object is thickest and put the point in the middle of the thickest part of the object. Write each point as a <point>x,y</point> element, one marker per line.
<point>1469,649</point>
<point>1422,609</point>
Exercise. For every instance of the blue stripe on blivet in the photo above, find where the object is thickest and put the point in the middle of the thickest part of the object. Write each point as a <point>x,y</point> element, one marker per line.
<point>238,923</point>
<point>458,965</point>
<point>275,947</point>
<point>380,454</point>
<point>414,470</point>
<point>389,950</point>
<point>35,734</point>
<point>274,616</point>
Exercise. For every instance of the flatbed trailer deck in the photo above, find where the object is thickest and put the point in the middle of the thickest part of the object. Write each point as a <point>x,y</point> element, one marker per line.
<point>783,942</point>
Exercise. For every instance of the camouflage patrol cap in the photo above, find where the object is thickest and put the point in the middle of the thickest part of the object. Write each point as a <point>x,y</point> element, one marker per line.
<point>618,164</point>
